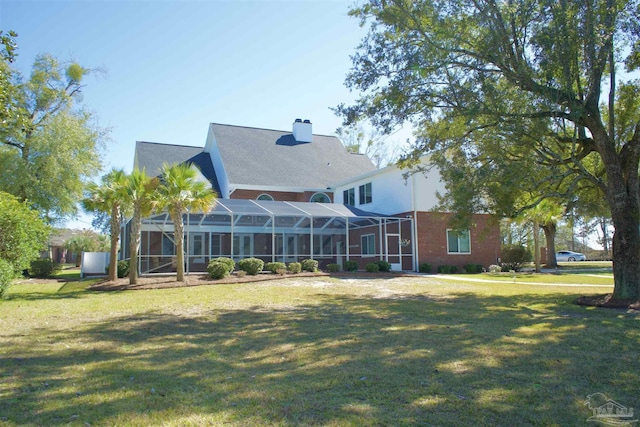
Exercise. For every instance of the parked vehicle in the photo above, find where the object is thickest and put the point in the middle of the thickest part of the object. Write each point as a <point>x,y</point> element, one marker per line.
<point>564,256</point>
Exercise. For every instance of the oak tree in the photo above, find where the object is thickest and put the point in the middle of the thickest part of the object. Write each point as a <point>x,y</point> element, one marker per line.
<point>535,79</point>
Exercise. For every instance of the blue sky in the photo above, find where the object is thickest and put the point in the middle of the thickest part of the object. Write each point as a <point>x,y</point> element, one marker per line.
<point>173,67</point>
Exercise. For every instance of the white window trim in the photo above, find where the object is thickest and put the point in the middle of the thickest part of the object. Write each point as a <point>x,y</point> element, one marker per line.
<point>270,197</point>
<point>458,253</point>
<point>345,201</point>
<point>320,238</point>
<point>320,193</point>
<point>362,246</point>
<point>362,196</point>
<point>172,239</point>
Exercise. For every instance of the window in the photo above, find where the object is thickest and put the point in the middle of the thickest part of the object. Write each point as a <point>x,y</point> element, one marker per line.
<point>168,246</point>
<point>458,242</point>
<point>368,244</point>
<point>196,247</point>
<point>365,194</point>
<point>265,196</point>
<point>320,198</point>
<point>242,245</point>
<point>322,245</point>
<point>349,197</point>
<point>216,244</point>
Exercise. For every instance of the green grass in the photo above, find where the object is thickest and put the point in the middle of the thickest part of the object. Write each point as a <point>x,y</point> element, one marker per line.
<point>596,278</point>
<point>314,351</point>
<point>68,272</point>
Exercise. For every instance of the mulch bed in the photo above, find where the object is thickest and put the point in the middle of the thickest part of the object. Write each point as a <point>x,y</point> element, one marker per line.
<point>169,281</point>
<point>607,301</point>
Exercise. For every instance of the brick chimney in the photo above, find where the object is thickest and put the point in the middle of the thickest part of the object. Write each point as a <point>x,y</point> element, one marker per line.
<point>302,130</point>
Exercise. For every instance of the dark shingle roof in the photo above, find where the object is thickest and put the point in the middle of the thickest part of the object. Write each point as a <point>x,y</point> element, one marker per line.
<point>152,155</point>
<point>264,157</point>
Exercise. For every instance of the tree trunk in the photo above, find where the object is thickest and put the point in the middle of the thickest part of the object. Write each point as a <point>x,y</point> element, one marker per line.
<point>115,236</point>
<point>626,253</point>
<point>134,242</point>
<point>536,245</point>
<point>624,201</point>
<point>179,237</point>
<point>550,236</point>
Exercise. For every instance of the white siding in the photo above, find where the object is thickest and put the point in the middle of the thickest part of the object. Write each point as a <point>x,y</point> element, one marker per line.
<point>392,194</point>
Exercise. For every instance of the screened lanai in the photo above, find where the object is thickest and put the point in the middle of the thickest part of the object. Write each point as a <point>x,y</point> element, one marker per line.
<point>278,231</point>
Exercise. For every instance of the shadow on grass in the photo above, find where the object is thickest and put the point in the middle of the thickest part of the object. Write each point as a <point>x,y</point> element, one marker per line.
<point>67,290</point>
<point>415,360</point>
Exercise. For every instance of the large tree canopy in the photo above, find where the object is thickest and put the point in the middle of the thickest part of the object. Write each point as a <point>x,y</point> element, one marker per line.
<point>23,234</point>
<point>48,148</point>
<point>487,83</point>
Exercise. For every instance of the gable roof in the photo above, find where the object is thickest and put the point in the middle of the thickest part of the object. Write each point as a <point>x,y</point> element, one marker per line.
<point>264,157</point>
<point>151,156</point>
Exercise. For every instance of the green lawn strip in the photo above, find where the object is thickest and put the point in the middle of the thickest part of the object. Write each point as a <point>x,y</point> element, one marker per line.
<point>548,278</point>
<point>318,351</point>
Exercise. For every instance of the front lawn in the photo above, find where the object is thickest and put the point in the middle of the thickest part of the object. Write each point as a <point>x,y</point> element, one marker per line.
<point>313,351</point>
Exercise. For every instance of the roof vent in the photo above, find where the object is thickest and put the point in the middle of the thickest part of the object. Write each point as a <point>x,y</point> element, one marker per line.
<point>302,131</point>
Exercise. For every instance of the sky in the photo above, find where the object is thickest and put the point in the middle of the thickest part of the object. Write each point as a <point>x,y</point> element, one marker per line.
<point>172,67</point>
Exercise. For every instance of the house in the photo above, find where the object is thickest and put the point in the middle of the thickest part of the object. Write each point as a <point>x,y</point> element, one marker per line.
<point>387,191</point>
<point>56,250</point>
<point>292,195</point>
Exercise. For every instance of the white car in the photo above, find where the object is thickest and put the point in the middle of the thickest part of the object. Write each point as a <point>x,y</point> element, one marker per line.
<point>563,256</point>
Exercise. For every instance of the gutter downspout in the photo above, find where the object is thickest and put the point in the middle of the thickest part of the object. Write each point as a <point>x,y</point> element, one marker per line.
<point>414,229</point>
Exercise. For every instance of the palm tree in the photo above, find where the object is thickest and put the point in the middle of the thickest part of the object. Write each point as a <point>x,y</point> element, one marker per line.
<point>140,198</point>
<point>179,192</point>
<point>108,197</point>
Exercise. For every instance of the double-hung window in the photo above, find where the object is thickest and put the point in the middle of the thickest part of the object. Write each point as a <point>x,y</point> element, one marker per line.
<point>322,245</point>
<point>368,244</point>
<point>365,194</point>
<point>458,242</point>
<point>168,244</point>
<point>349,197</point>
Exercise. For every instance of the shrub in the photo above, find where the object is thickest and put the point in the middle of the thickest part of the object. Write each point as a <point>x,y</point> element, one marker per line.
<point>425,267</point>
<point>6,276</point>
<point>275,266</point>
<point>372,267</point>
<point>295,267</point>
<point>43,268</point>
<point>473,268</point>
<point>217,270</point>
<point>281,271</point>
<point>252,266</point>
<point>447,269</point>
<point>350,266</point>
<point>231,265</point>
<point>333,268</point>
<point>494,269</point>
<point>383,266</point>
<point>122,269</point>
<point>514,257</point>
<point>241,273</point>
<point>23,234</point>
<point>309,265</point>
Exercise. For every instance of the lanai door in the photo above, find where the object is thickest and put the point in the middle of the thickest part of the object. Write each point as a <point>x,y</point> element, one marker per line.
<point>196,248</point>
<point>393,252</point>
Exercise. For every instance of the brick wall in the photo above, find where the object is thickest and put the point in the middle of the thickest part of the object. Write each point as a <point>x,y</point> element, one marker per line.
<point>284,196</point>
<point>432,241</point>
